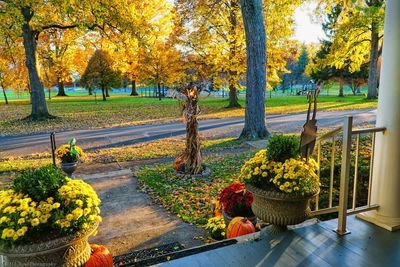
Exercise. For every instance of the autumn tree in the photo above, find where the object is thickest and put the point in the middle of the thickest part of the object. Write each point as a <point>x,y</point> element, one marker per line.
<point>279,21</point>
<point>357,37</point>
<point>56,49</point>
<point>100,73</point>
<point>13,71</point>
<point>31,18</point>
<point>216,34</point>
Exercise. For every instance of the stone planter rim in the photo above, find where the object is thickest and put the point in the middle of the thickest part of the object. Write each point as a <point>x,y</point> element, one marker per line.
<point>69,164</point>
<point>44,247</point>
<point>277,195</point>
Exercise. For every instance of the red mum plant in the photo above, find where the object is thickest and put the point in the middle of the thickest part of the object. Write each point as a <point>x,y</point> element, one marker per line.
<point>236,201</point>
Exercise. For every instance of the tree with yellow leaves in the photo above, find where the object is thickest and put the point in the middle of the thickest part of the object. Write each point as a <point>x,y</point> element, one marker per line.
<point>56,56</point>
<point>215,32</point>
<point>356,36</point>
<point>13,71</point>
<point>30,18</point>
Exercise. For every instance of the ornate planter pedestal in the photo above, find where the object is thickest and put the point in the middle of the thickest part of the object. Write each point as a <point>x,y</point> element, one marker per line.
<point>278,208</point>
<point>69,168</point>
<point>68,251</point>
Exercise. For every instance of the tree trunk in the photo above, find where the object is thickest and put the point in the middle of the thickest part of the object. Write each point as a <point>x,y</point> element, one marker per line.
<point>254,125</point>
<point>90,90</point>
<point>341,94</point>
<point>61,90</point>
<point>373,64</point>
<point>107,94</point>
<point>38,98</point>
<point>103,93</point>
<point>233,99</point>
<point>134,91</point>
<point>159,91</point>
<point>5,95</point>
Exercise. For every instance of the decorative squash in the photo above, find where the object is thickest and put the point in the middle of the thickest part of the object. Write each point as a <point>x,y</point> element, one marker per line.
<point>178,163</point>
<point>240,226</point>
<point>101,257</point>
<point>217,209</point>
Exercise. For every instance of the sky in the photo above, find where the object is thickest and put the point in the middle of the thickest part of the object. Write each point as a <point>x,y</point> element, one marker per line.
<point>306,30</point>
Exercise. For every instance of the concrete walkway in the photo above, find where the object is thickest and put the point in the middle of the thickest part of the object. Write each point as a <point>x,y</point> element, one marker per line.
<point>130,220</point>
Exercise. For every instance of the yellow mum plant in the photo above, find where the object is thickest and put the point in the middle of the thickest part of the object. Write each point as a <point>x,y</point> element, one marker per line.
<point>45,203</point>
<point>216,227</point>
<point>69,153</point>
<point>279,167</point>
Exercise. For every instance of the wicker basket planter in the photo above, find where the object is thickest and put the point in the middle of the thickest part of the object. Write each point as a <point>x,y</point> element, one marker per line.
<point>279,208</point>
<point>68,251</point>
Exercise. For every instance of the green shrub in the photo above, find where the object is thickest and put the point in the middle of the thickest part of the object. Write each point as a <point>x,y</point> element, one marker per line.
<point>282,147</point>
<point>40,183</point>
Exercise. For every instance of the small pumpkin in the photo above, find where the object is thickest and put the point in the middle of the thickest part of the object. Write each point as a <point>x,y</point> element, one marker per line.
<point>101,257</point>
<point>240,226</point>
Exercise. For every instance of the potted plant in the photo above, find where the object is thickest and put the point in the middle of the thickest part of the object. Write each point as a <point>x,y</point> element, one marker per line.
<point>281,181</point>
<point>216,227</point>
<point>69,154</point>
<point>46,218</point>
<point>236,202</point>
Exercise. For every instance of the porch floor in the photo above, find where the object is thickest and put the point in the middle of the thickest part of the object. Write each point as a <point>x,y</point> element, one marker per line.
<point>314,245</point>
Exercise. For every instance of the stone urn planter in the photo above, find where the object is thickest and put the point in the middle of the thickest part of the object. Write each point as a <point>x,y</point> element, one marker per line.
<point>69,251</point>
<point>69,168</point>
<point>279,208</point>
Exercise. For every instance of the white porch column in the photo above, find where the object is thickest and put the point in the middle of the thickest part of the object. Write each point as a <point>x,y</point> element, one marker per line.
<point>386,175</point>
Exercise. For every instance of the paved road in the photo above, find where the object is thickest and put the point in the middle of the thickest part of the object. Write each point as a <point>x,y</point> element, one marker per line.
<point>121,136</point>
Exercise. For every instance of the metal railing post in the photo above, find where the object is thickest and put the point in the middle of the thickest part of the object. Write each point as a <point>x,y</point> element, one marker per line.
<point>53,147</point>
<point>344,176</point>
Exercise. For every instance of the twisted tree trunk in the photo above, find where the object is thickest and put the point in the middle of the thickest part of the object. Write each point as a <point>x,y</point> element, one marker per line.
<point>254,126</point>
<point>192,155</point>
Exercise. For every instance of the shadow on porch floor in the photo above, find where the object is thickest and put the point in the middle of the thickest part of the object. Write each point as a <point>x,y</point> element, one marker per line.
<point>315,245</point>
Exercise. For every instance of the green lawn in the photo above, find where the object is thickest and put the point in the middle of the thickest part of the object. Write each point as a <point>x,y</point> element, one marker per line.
<point>80,112</point>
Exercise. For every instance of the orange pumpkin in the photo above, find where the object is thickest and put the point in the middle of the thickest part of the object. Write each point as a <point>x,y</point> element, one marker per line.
<point>101,257</point>
<point>240,226</point>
